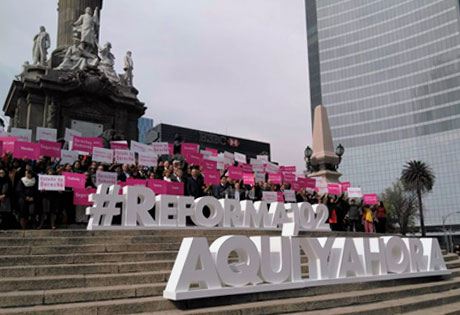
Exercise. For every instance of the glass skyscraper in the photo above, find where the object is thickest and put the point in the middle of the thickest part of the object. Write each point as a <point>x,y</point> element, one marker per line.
<point>388,72</point>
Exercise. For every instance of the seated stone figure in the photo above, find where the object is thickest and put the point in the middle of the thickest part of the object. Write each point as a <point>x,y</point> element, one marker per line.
<point>107,63</point>
<point>77,58</point>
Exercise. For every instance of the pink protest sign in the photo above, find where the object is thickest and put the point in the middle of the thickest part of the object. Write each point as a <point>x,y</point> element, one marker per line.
<point>124,156</point>
<point>194,158</point>
<point>74,180</point>
<point>86,144</point>
<point>136,182</point>
<point>26,150</point>
<point>296,186</point>
<point>247,168</point>
<point>209,165</point>
<point>50,148</point>
<point>307,182</point>
<point>235,172</point>
<point>214,152</point>
<point>176,189</point>
<point>288,178</point>
<point>171,148</point>
<point>334,189</point>
<point>8,143</point>
<point>248,179</point>
<point>115,145</point>
<point>81,196</point>
<point>275,178</point>
<point>211,177</point>
<point>158,186</point>
<point>189,148</point>
<point>51,182</point>
<point>288,169</point>
<point>345,186</point>
<point>370,199</point>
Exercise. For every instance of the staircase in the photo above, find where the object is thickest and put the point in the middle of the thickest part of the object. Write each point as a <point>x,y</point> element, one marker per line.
<point>125,272</point>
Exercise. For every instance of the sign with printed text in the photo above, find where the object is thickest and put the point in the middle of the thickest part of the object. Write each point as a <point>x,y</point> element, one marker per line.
<point>247,168</point>
<point>50,148</point>
<point>235,172</point>
<point>175,189</point>
<point>334,189</point>
<point>160,148</point>
<point>49,134</point>
<point>307,182</point>
<point>240,157</point>
<point>289,195</point>
<point>262,157</point>
<point>8,143</point>
<point>259,177</point>
<point>354,192</point>
<point>272,168</point>
<point>106,178</point>
<point>209,165</point>
<point>119,145</point>
<point>74,180</point>
<point>136,182</point>
<point>296,186</point>
<point>86,144</point>
<point>194,158</point>
<point>51,182</point>
<point>214,152</point>
<point>140,147</point>
<point>269,196</point>
<point>102,155</point>
<point>189,148</point>
<point>275,178</point>
<point>345,186</point>
<point>158,186</point>
<point>24,135</point>
<point>288,169</point>
<point>26,150</point>
<point>248,179</point>
<point>70,133</point>
<point>147,159</point>
<point>211,177</point>
<point>81,196</point>
<point>257,165</point>
<point>280,196</point>
<point>288,178</point>
<point>124,156</point>
<point>68,157</point>
<point>370,199</point>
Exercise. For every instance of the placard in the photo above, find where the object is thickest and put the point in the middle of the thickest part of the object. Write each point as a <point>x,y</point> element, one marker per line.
<point>136,182</point>
<point>211,177</point>
<point>289,195</point>
<point>235,172</point>
<point>257,165</point>
<point>209,165</point>
<point>296,186</point>
<point>262,157</point>
<point>247,168</point>
<point>158,186</point>
<point>171,148</point>
<point>49,134</point>
<point>280,196</point>
<point>269,196</point>
<point>288,178</point>
<point>50,148</point>
<point>240,157</point>
<point>119,145</point>
<point>106,178</point>
<point>26,150</point>
<point>189,148</point>
<point>275,178</point>
<point>370,199</point>
<point>354,192</point>
<point>288,169</point>
<point>74,180</point>
<point>102,155</point>
<point>160,148</point>
<point>124,157</point>
<point>51,182</point>
<point>140,147</point>
<point>259,177</point>
<point>68,157</point>
<point>272,168</point>
<point>248,179</point>
<point>214,152</point>
<point>334,189</point>
<point>194,158</point>
<point>81,196</point>
<point>86,144</point>
<point>24,135</point>
<point>70,133</point>
<point>147,159</point>
<point>8,144</point>
<point>345,186</point>
<point>175,189</point>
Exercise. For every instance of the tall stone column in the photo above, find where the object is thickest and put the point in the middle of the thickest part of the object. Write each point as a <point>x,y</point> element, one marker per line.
<point>69,11</point>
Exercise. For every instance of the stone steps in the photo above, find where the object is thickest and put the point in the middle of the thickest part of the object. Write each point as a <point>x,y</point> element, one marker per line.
<point>447,309</point>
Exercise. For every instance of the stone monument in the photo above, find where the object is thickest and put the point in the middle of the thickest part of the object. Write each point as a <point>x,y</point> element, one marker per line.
<point>322,161</point>
<point>77,87</point>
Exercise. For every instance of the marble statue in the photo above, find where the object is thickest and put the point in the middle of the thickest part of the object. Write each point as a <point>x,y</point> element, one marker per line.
<point>87,25</point>
<point>107,63</point>
<point>77,58</point>
<point>41,44</point>
<point>129,65</point>
<point>23,71</point>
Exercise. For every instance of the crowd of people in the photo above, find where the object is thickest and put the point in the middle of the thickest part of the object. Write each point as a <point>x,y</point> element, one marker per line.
<point>22,205</point>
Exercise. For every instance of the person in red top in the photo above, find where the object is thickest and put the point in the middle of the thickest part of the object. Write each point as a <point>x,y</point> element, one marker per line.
<point>381,216</point>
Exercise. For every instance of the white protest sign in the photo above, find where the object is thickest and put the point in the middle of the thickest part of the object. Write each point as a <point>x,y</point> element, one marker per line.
<point>206,154</point>
<point>24,135</point>
<point>262,157</point>
<point>106,178</point>
<point>124,156</point>
<point>269,196</point>
<point>140,147</point>
<point>257,165</point>
<point>160,148</point>
<point>240,157</point>
<point>259,177</point>
<point>49,134</point>
<point>354,192</point>
<point>69,133</point>
<point>51,182</point>
<point>68,157</point>
<point>289,195</point>
<point>272,168</point>
<point>147,159</point>
<point>102,155</point>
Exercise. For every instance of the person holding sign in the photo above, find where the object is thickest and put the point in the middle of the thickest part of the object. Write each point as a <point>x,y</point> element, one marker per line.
<point>368,219</point>
<point>27,191</point>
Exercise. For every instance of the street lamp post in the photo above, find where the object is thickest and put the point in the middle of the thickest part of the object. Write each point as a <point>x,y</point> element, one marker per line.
<point>444,218</point>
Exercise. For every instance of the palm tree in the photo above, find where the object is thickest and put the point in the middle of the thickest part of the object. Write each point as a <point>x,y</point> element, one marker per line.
<point>418,177</point>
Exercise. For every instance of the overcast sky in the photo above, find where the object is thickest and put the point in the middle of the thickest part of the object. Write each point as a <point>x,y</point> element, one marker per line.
<point>236,67</point>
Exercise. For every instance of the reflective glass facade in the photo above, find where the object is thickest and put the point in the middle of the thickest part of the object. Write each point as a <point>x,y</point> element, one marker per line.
<point>388,72</point>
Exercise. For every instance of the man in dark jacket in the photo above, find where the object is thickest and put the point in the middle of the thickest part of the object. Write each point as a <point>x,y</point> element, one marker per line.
<point>354,217</point>
<point>194,184</point>
<point>220,190</point>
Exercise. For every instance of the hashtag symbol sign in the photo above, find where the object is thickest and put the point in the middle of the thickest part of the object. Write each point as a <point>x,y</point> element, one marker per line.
<point>104,205</point>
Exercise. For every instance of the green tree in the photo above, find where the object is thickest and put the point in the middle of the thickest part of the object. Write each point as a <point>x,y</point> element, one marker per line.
<point>419,178</point>
<point>401,207</point>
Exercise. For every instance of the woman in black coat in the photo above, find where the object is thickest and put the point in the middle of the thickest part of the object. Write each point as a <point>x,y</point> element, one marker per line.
<point>27,193</point>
